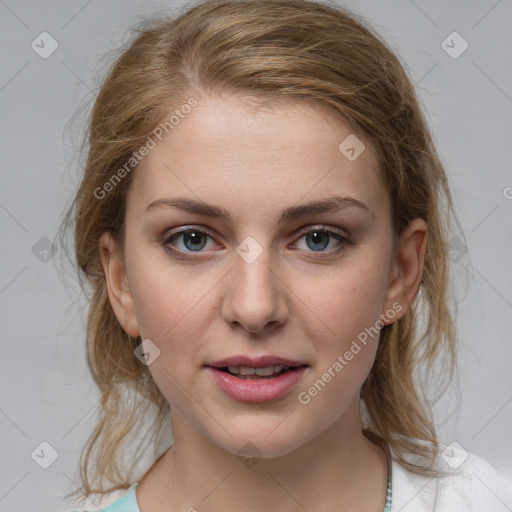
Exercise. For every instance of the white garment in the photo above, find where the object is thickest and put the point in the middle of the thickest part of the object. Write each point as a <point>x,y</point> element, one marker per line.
<point>473,486</point>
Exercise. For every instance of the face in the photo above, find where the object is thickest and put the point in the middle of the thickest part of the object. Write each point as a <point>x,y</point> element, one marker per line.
<point>280,253</point>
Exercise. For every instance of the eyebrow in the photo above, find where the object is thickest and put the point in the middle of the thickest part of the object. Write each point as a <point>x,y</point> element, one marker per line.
<point>327,205</point>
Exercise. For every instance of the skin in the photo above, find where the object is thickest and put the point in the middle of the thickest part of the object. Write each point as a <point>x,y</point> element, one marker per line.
<point>254,163</point>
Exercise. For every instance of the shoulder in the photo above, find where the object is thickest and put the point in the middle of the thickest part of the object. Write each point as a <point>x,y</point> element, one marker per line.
<point>466,483</point>
<point>121,501</point>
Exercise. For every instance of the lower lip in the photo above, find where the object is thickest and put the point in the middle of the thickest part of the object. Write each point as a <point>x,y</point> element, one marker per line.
<point>257,390</point>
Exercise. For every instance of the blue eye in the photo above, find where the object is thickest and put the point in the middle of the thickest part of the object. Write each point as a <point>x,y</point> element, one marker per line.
<point>318,239</point>
<point>194,240</point>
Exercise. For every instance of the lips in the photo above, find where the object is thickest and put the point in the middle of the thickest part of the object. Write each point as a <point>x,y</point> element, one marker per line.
<point>258,379</point>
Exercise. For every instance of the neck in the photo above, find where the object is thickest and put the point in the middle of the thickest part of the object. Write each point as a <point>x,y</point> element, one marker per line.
<point>338,470</point>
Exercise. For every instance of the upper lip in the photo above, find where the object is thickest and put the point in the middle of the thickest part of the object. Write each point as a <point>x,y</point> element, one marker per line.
<point>255,362</point>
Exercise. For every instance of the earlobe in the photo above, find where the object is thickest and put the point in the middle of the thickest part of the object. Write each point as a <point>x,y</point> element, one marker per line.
<point>405,278</point>
<point>119,293</point>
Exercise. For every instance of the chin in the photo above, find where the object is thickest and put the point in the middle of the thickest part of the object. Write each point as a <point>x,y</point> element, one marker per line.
<point>260,448</point>
<point>264,441</point>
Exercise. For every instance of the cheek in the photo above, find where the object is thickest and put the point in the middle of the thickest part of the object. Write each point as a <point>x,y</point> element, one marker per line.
<point>165,294</point>
<point>166,310</point>
<point>173,310</point>
<point>162,301</point>
<point>346,302</point>
<point>344,325</point>
<point>345,348</point>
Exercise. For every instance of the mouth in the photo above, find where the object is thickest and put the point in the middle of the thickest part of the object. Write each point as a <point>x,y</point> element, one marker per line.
<point>251,368</point>
<point>253,373</point>
<point>257,380</point>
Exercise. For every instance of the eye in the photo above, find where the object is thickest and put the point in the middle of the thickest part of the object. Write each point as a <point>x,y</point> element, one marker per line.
<point>320,238</point>
<point>189,240</point>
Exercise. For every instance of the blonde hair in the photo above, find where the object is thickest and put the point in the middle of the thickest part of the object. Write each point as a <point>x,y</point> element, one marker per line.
<point>268,49</point>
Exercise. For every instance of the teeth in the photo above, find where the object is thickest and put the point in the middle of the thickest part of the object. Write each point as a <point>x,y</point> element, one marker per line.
<point>261,372</point>
<point>247,371</point>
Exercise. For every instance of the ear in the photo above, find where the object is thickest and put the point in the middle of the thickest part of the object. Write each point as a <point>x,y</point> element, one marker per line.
<point>407,270</point>
<point>119,292</point>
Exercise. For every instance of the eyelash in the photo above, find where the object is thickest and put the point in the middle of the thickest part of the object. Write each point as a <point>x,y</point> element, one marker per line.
<point>179,254</point>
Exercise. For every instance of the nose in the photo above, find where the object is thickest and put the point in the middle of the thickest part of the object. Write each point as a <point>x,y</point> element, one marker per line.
<point>255,296</point>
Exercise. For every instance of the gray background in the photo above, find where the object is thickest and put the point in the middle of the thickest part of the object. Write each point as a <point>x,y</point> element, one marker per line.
<point>46,393</point>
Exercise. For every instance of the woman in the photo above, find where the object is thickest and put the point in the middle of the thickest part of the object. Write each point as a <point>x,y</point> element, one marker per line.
<point>263,220</point>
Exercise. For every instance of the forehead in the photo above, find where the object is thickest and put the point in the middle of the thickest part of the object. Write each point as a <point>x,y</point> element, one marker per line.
<point>227,148</point>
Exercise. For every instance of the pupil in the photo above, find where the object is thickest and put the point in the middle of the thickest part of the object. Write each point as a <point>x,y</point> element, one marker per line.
<point>194,237</point>
<point>316,237</point>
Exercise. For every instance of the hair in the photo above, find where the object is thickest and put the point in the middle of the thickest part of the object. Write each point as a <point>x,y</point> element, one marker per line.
<point>269,50</point>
